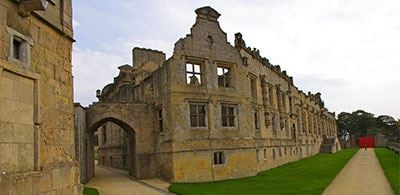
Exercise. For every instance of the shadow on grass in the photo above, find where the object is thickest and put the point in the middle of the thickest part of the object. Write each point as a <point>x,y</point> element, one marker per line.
<point>307,176</point>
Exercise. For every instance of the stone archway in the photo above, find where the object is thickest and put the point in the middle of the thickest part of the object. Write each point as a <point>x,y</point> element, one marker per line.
<point>97,115</point>
<point>136,119</point>
<point>89,165</point>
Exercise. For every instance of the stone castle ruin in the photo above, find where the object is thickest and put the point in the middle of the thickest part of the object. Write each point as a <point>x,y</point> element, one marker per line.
<point>212,111</point>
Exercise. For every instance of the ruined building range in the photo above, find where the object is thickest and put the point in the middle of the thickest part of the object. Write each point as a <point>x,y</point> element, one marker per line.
<point>212,111</point>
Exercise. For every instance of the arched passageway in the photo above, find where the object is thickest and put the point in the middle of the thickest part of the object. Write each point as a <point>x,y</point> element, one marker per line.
<point>134,120</point>
<point>90,143</point>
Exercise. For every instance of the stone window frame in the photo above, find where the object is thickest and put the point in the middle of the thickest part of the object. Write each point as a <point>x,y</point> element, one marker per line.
<point>273,153</point>
<point>24,59</point>
<point>226,65</point>
<point>257,154</point>
<point>193,72</point>
<point>275,123</point>
<point>159,115</point>
<point>235,115</point>
<point>219,158</point>
<point>271,95</point>
<point>253,86</point>
<point>257,119</point>
<point>225,77</point>
<point>265,153</point>
<point>37,120</point>
<point>205,115</point>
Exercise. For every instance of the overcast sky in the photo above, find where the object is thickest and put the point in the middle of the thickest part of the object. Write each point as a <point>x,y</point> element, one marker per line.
<point>349,50</point>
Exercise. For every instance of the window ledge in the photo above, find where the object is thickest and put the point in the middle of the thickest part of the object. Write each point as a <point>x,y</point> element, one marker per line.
<point>230,128</point>
<point>219,165</point>
<point>199,128</point>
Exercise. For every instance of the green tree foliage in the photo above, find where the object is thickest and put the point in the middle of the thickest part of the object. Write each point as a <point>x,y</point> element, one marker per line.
<point>361,123</point>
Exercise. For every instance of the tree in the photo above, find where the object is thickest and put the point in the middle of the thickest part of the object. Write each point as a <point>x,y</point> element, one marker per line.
<point>361,123</point>
<point>345,125</point>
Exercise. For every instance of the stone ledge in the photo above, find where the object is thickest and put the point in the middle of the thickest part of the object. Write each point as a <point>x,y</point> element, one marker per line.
<point>20,176</point>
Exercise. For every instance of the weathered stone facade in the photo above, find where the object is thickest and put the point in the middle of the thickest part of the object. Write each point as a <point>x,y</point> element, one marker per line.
<point>36,101</point>
<point>212,111</point>
<point>113,146</point>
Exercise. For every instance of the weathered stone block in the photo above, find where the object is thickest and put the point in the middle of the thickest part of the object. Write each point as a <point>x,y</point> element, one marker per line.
<point>9,157</point>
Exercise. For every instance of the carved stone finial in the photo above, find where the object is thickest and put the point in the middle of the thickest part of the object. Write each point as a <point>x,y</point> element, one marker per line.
<point>239,40</point>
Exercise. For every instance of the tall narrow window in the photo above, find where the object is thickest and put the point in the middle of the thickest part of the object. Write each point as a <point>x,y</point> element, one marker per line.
<point>273,153</point>
<point>253,87</point>
<point>160,120</point>
<point>257,119</point>
<point>198,113</point>
<point>271,96</point>
<point>228,115</point>
<point>219,158</point>
<point>193,74</point>
<point>224,76</point>
<point>258,154</point>
<point>16,49</point>
<point>274,123</point>
<point>265,153</point>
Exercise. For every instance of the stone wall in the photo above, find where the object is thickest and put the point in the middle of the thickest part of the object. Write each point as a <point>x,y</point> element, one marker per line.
<point>272,122</point>
<point>36,108</point>
<point>113,146</point>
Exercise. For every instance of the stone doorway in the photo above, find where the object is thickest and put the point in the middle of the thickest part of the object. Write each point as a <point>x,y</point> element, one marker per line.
<point>109,154</point>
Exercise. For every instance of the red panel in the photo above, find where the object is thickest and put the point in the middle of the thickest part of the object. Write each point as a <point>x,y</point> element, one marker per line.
<point>367,142</point>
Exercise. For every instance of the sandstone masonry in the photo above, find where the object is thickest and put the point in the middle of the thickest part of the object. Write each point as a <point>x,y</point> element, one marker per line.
<point>36,109</point>
<point>212,111</point>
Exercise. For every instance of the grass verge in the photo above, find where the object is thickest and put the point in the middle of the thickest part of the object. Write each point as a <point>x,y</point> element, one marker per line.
<point>308,176</point>
<point>390,163</point>
<point>90,191</point>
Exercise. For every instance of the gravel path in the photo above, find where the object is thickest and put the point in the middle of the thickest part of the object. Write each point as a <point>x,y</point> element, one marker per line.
<point>362,175</point>
<point>116,182</point>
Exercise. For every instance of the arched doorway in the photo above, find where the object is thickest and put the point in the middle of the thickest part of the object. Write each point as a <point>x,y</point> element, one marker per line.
<point>107,160</point>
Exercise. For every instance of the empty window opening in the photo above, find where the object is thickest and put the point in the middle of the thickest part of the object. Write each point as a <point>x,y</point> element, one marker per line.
<point>253,87</point>
<point>193,74</point>
<point>17,44</point>
<point>265,154</point>
<point>273,153</point>
<point>258,154</point>
<point>160,120</point>
<point>224,77</point>
<point>257,119</point>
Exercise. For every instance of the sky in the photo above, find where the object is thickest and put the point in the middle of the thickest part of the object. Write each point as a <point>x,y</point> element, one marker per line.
<point>349,50</point>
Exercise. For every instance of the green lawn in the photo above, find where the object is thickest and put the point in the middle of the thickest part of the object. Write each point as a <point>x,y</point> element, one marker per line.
<point>390,163</point>
<point>308,176</point>
<point>90,191</point>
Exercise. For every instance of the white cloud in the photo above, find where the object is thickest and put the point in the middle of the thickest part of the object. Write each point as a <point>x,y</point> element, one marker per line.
<point>348,50</point>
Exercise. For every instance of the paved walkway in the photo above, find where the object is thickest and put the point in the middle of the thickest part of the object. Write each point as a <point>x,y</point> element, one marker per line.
<point>116,182</point>
<point>362,175</point>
